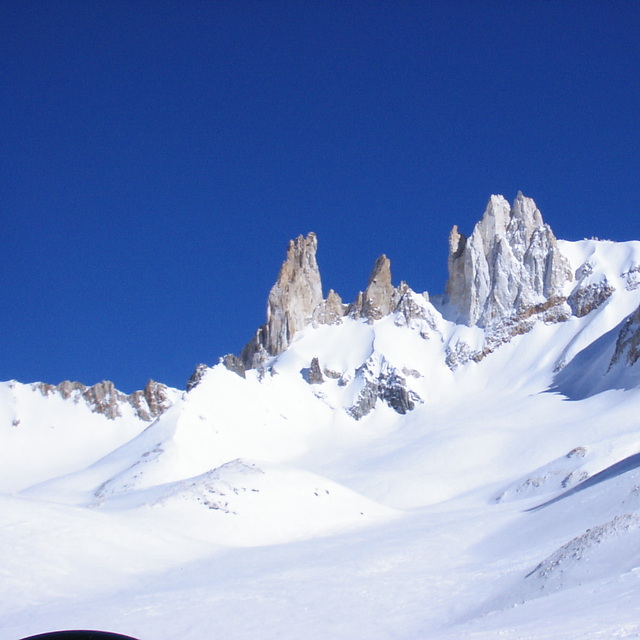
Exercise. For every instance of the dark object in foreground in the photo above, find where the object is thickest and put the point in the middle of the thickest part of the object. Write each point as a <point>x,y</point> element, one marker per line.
<point>79,635</point>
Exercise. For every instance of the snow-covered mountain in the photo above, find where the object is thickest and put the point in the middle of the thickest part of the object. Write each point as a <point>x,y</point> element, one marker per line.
<point>401,466</point>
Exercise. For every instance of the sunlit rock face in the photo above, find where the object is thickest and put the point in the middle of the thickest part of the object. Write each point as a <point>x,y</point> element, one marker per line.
<point>377,300</point>
<point>105,399</point>
<point>329,311</point>
<point>509,265</point>
<point>292,300</point>
<point>628,342</point>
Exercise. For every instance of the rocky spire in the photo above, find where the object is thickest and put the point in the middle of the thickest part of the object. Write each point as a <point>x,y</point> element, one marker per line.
<point>509,264</point>
<point>329,311</point>
<point>292,300</point>
<point>377,300</point>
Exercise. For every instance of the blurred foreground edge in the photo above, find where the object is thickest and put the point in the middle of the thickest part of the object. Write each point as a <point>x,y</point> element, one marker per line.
<point>79,635</point>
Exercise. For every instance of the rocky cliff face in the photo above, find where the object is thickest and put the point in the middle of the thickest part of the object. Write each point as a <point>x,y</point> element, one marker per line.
<point>509,265</point>
<point>379,380</point>
<point>105,399</point>
<point>329,311</point>
<point>506,277</point>
<point>295,301</point>
<point>377,300</point>
<point>292,301</point>
<point>628,342</point>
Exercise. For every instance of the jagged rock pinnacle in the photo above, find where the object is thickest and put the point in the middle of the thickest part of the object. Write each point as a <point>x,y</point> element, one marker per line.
<point>377,301</point>
<point>329,311</point>
<point>292,300</point>
<point>509,264</point>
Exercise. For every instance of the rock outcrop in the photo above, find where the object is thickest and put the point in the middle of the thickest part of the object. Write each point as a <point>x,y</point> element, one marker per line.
<point>152,401</point>
<point>377,301</point>
<point>628,342</point>
<point>235,364</point>
<point>379,380</point>
<point>313,375</point>
<point>509,265</point>
<point>329,311</point>
<point>508,275</point>
<point>414,311</point>
<point>583,300</point>
<point>197,375</point>
<point>292,301</point>
<point>295,301</point>
<point>105,399</point>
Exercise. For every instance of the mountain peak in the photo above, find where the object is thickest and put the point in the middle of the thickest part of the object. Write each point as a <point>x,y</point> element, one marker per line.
<point>509,264</point>
<point>292,300</point>
<point>377,300</point>
<point>510,268</point>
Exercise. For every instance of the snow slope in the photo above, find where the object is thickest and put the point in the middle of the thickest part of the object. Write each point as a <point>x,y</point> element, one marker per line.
<point>506,503</point>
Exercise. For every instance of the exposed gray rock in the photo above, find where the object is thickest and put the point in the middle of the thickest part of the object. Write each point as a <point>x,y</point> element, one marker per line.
<point>66,388</point>
<point>584,299</point>
<point>510,264</point>
<point>329,311</point>
<point>550,312</point>
<point>105,399</point>
<point>292,301</point>
<point>233,363</point>
<point>412,311</point>
<point>393,390</point>
<point>632,278</point>
<point>628,342</point>
<point>196,376</point>
<point>570,563</point>
<point>151,402</point>
<point>313,375</point>
<point>378,298</point>
<point>458,354</point>
<point>382,381</point>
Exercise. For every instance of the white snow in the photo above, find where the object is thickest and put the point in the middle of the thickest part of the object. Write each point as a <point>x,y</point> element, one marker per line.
<point>258,508</point>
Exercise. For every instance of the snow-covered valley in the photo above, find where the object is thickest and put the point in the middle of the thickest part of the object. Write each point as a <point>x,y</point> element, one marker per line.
<point>401,467</point>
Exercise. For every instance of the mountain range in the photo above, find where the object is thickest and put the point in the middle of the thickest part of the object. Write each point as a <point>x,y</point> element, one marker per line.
<point>403,465</point>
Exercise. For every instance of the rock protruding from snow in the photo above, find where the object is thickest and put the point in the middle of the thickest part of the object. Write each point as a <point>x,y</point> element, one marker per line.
<point>235,364</point>
<point>377,301</point>
<point>152,401</point>
<point>509,264</point>
<point>589,555</point>
<point>589,293</point>
<point>413,310</point>
<point>313,375</point>
<point>584,299</point>
<point>197,375</point>
<point>379,380</point>
<point>292,301</point>
<point>330,311</point>
<point>558,475</point>
<point>628,342</point>
<point>105,399</point>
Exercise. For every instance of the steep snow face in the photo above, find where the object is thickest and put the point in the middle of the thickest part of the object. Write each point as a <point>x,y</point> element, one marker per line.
<point>509,264</point>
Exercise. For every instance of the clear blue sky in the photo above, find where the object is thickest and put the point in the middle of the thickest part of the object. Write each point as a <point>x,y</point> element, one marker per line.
<point>157,156</point>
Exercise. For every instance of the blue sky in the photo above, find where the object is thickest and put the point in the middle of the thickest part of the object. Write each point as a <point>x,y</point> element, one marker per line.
<point>157,157</point>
